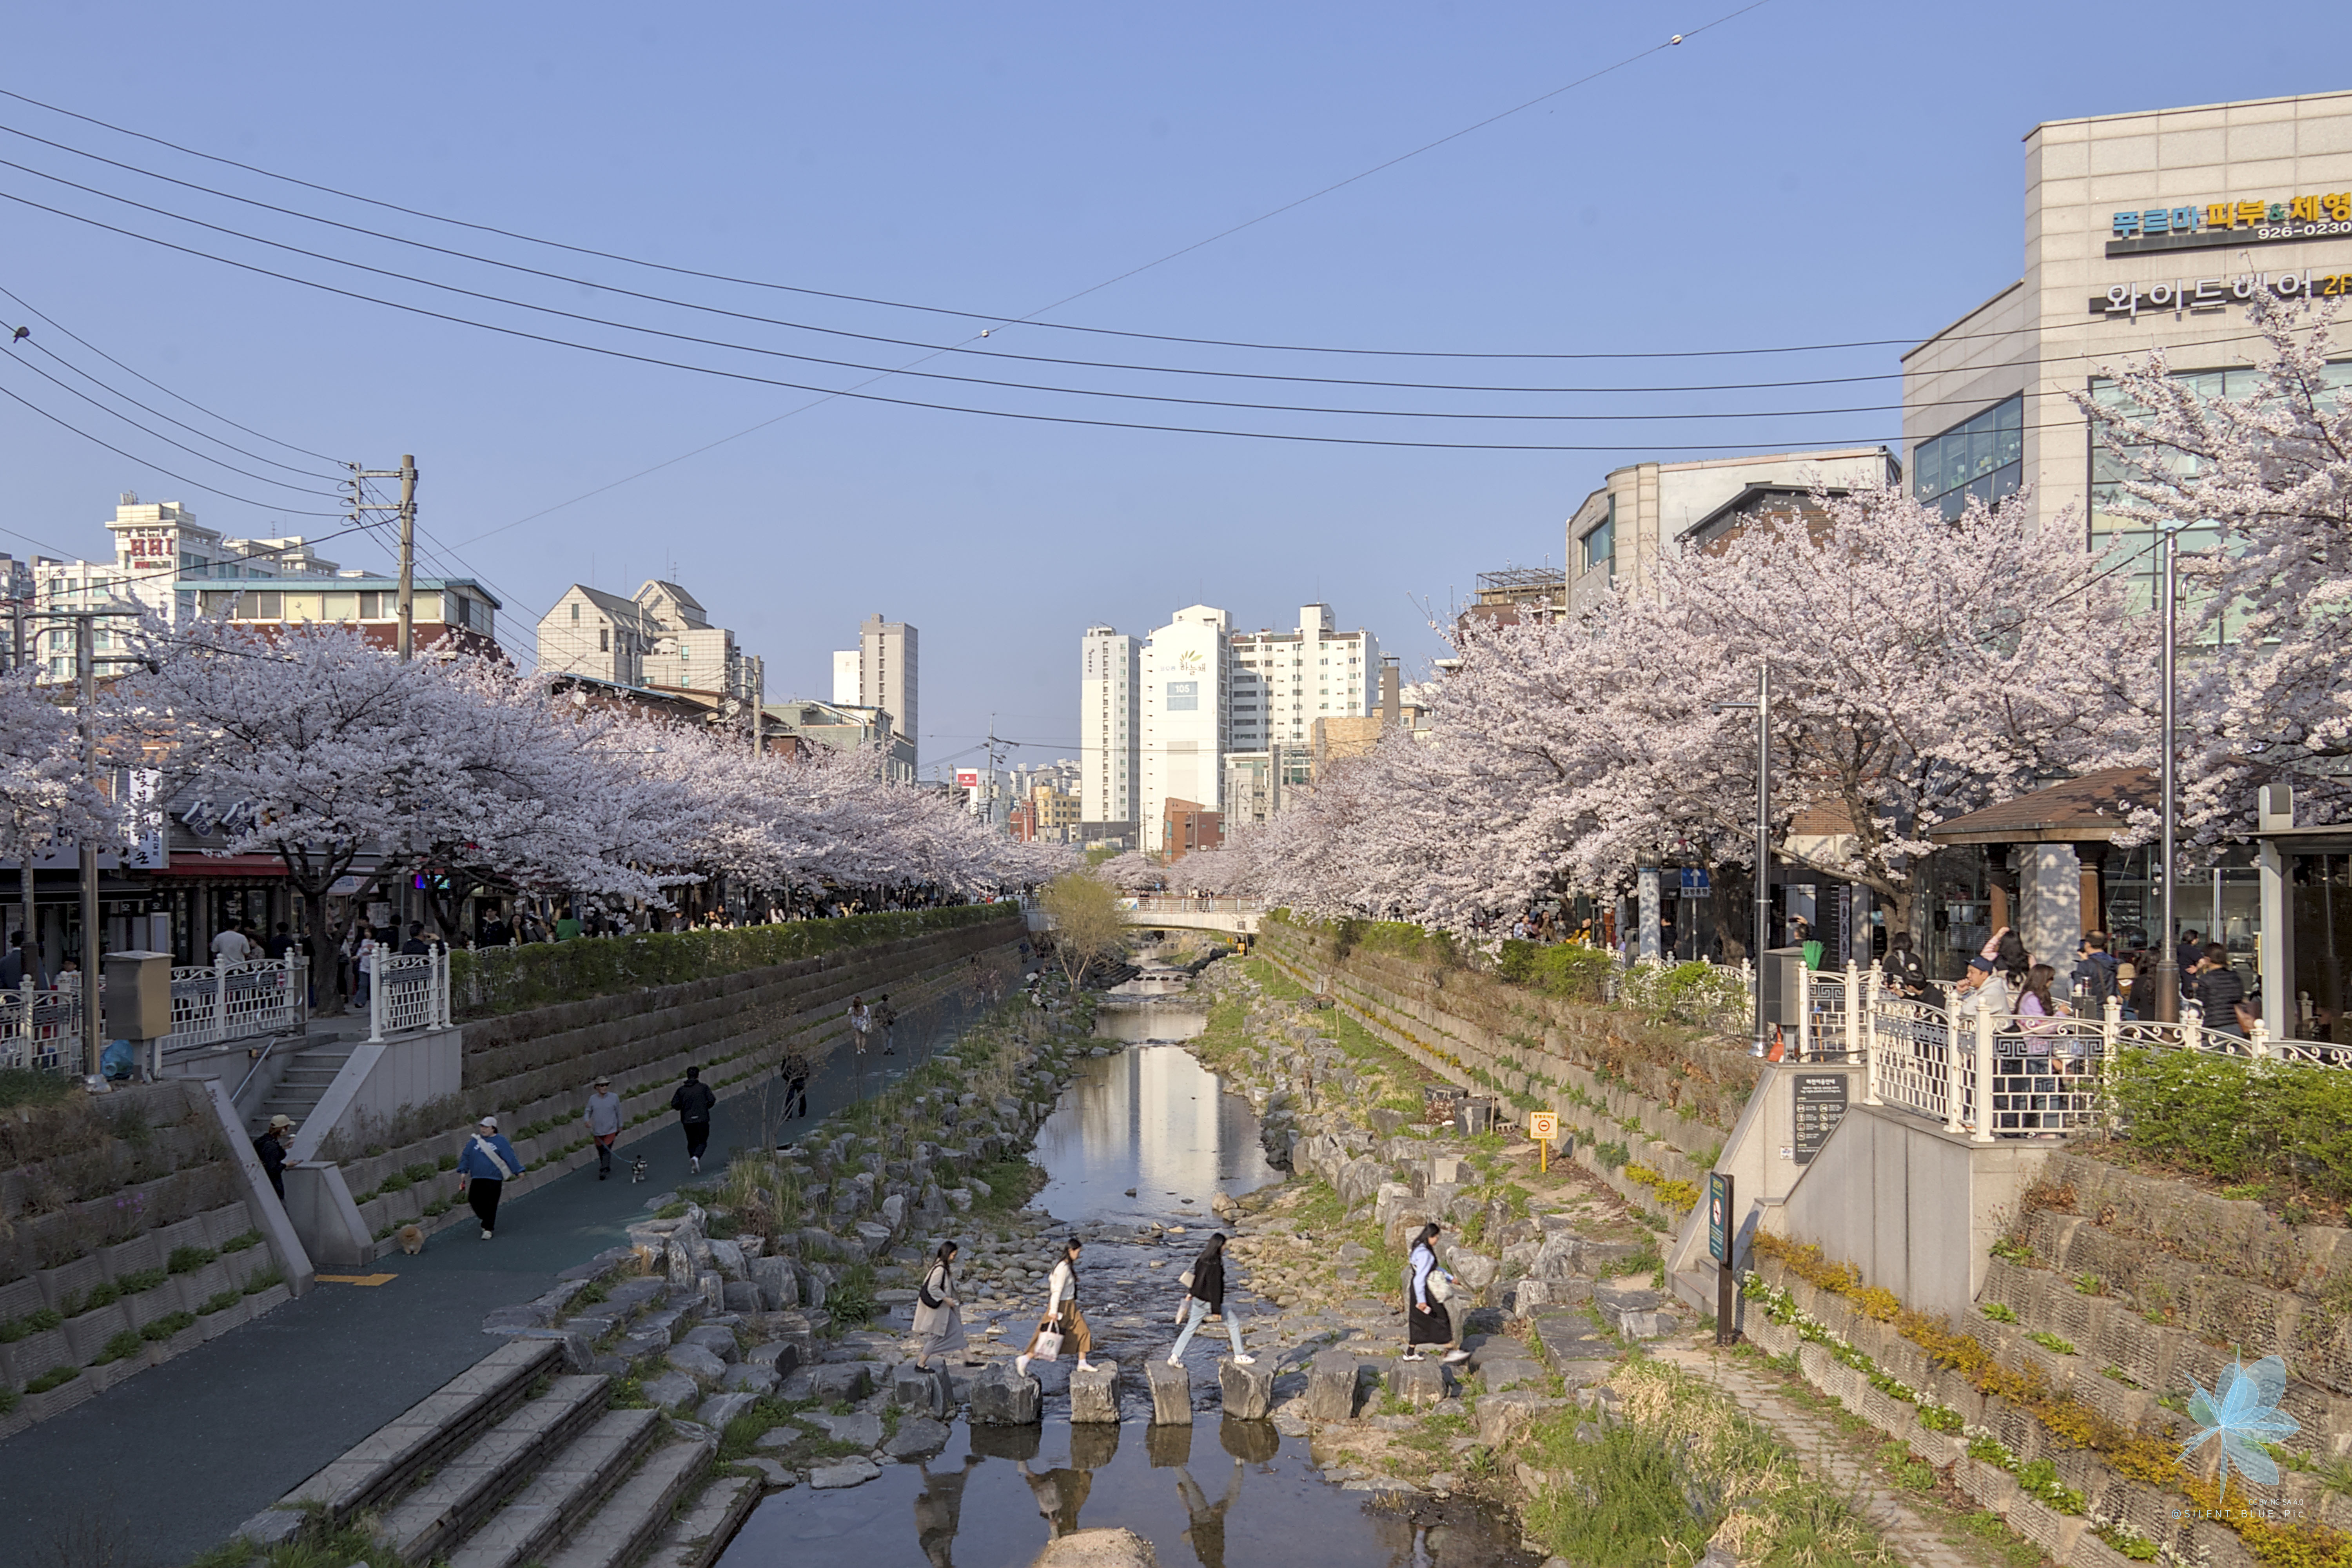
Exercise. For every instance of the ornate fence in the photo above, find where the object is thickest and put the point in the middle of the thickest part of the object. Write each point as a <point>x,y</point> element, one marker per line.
<point>408,990</point>
<point>210,1004</point>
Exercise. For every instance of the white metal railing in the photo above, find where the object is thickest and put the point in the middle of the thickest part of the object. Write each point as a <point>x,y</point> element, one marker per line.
<point>408,990</point>
<point>211,1003</point>
<point>41,1028</point>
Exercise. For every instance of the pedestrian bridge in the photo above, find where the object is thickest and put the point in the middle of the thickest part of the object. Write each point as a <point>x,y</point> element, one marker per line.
<point>1170,911</point>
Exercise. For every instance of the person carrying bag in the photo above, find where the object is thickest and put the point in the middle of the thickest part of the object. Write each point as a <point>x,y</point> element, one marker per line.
<point>938,1316</point>
<point>1062,1324</point>
<point>488,1164</point>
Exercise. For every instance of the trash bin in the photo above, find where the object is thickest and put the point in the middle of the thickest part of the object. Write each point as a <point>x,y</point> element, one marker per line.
<point>1475,1115</point>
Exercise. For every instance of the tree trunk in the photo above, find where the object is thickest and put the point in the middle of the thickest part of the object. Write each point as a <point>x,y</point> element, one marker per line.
<point>322,953</point>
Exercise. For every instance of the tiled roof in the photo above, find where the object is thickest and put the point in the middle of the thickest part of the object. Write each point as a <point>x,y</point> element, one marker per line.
<point>2074,810</point>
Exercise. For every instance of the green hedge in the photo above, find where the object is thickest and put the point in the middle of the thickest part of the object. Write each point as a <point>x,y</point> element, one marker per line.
<point>1557,969</point>
<point>489,981</point>
<point>2233,1120</point>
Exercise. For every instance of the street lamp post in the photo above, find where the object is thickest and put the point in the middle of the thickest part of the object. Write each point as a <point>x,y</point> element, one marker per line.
<point>1763,706</point>
<point>2167,964</point>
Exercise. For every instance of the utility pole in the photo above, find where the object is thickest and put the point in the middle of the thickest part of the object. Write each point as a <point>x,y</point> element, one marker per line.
<point>759,705</point>
<point>86,663</point>
<point>2167,961</point>
<point>406,510</point>
<point>1763,706</point>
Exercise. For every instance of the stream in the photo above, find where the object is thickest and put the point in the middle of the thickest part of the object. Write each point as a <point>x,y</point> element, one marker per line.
<point>1137,1131</point>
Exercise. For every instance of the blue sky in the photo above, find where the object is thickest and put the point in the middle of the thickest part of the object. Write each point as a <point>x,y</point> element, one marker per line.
<point>1803,173</point>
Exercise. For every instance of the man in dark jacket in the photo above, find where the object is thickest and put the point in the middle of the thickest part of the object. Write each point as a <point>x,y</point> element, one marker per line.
<point>271,1147</point>
<point>2220,992</point>
<point>692,1102</point>
<point>2095,975</point>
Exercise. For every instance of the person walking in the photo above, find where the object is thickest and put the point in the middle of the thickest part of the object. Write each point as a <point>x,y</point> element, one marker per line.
<point>271,1148</point>
<point>2098,975</point>
<point>602,1115</point>
<point>280,942</point>
<point>861,1023</point>
<point>886,1017</point>
<point>1062,1314</point>
<point>1905,973</point>
<point>938,1316</point>
<point>363,952</point>
<point>1206,1294</point>
<point>794,1071</point>
<point>2220,993</point>
<point>229,946</point>
<point>488,1164</point>
<point>692,1102</point>
<point>1428,1288</point>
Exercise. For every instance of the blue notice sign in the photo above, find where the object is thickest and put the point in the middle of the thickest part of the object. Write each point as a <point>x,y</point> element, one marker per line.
<point>1183,697</point>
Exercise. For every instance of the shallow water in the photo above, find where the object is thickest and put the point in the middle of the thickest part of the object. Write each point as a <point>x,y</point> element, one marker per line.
<point>1136,1022</point>
<point>1150,1118</point>
<point>1224,1494</point>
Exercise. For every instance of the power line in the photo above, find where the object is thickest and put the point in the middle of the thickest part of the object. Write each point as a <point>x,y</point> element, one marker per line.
<point>197,484</point>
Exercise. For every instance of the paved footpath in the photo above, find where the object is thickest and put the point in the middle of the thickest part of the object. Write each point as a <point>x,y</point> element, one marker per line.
<point>1825,1452</point>
<point>176,1458</point>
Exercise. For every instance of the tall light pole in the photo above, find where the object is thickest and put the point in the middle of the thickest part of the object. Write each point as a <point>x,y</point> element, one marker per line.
<point>86,667</point>
<point>1763,706</point>
<point>2167,964</point>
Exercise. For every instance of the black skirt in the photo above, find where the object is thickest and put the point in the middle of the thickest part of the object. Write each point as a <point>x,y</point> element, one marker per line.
<point>1434,1327</point>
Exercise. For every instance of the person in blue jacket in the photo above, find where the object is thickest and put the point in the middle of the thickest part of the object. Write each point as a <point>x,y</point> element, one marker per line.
<point>483,1169</point>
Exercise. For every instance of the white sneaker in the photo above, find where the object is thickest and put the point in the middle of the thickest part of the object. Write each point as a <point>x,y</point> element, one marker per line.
<point>696,1161</point>
<point>1453,1356</point>
<point>486,1236</point>
<point>1021,1364</point>
<point>1173,1361</point>
<point>1412,1355</point>
<point>1245,1361</point>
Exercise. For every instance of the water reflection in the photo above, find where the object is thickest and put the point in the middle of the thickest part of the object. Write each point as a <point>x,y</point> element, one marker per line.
<point>1137,1021</point>
<point>1153,1122</point>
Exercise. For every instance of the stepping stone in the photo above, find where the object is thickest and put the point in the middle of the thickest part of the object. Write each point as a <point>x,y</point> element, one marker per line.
<point>777,1353</point>
<point>1331,1387</point>
<point>852,1472</point>
<point>918,1437</point>
<point>841,1383</point>
<point>1003,1397</point>
<point>1172,1394</point>
<point>1615,1296</point>
<point>1094,1395</point>
<point>717,1341</point>
<point>926,1391</point>
<point>864,1428</point>
<point>1247,1392</point>
<point>1417,1381</point>
<point>779,1475</point>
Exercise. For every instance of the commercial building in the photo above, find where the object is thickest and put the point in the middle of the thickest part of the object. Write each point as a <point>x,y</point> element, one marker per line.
<point>1188,825</point>
<point>1283,681</point>
<point>1186,670</point>
<point>1532,593</point>
<point>453,615</point>
<point>1110,725</point>
<point>1258,784</point>
<point>1644,513</point>
<point>845,676</point>
<point>888,673</point>
<point>842,727</point>
<point>2145,231</point>
<point>598,635</point>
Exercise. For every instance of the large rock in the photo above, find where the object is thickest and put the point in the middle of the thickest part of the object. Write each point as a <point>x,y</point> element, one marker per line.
<point>1094,1395</point>
<point>1331,1387</point>
<point>1417,1381</point>
<point>841,1381</point>
<point>751,1377</point>
<point>727,1257</point>
<point>1502,1417</point>
<point>721,1408</point>
<point>918,1437</point>
<point>927,1390</point>
<point>873,1238</point>
<point>862,1427</point>
<point>1247,1392</point>
<point>1557,1258</point>
<point>1390,1201</point>
<point>855,1471</point>
<point>1003,1397</point>
<point>696,1361</point>
<point>1119,1548</point>
<point>1359,1180</point>
<point>741,1296</point>
<point>1475,1269</point>
<point>1172,1394</point>
<point>671,1390</point>
<point>1531,1296</point>
<point>779,1284</point>
<point>715,1338</point>
<point>894,1212</point>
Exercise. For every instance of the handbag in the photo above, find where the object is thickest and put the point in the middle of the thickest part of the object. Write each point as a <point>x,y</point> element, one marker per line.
<point>1441,1285</point>
<point>925,1295</point>
<point>1185,1280</point>
<point>1048,1345</point>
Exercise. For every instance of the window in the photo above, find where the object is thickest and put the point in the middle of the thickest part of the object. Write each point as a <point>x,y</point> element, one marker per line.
<point>372,606</point>
<point>1982,457</point>
<point>604,637</point>
<point>1600,542</point>
<point>343,606</point>
<point>575,610</point>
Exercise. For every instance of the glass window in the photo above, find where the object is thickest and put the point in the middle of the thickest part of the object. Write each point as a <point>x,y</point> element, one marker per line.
<point>1983,456</point>
<point>1600,543</point>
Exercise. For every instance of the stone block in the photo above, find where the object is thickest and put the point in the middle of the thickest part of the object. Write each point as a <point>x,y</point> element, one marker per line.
<point>743,1295</point>
<point>1616,1296</point>
<point>863,1427</point>
<point>841,1381</point>
<point>1247,1392</point>
<point>1503,1417</point>
<point>1556,1259</point>
<point>728,1257</point>
<point>781,1354</point>
<point>720,1342</point>
<point>1003,1397</point>
<point>751,1377</point>
<point>1094,1395</point>
<point>711,1286</point>
<point>721,1408</point>
<point>1534,1295</point>
<point>872,1239</point>
<point>778,1283</point>
<point>851,1472</point>
<point>1416,1381</point>
<point>927,1391</point>
<point>696,1361</point>
<point>1172,1394</point>
<point>1331,1387</point>
<point>918,1437</point>
<point>671,1390</point>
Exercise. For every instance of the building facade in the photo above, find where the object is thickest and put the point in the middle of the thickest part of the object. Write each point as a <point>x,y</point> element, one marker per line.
<point>1110,725</point>
<point>845,676</point>
<point>598,635</point>
<point>1186,667</point>
<point>888,673</point>
<point>1642,513</point>
<point>843,727</point>
<point>2145,231</point>
<point>1282,682</point>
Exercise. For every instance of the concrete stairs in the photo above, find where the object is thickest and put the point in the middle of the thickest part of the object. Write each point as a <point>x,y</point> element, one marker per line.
<point>303,1084</point>
<point>517,1461</point>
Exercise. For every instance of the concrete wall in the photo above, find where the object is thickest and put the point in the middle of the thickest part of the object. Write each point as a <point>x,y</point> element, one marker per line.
<point>1760,1157</point>
<point>1914,1208</point>
<point>379,1081</point>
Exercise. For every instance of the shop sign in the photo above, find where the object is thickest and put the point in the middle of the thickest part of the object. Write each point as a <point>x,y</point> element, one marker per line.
<point>2201,226</point>
<point>2207,294</point>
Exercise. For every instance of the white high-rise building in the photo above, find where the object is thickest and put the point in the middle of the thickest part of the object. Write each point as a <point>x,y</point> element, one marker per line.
<point>1185,671</point>
<point>1110,725</point>
<point>846,689</point>
<point>1283,681</point>
<point>887,672</point>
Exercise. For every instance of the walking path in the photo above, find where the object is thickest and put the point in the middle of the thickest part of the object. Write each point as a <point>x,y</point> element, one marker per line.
<point>1825,1451</point>
<point>170,1463</point>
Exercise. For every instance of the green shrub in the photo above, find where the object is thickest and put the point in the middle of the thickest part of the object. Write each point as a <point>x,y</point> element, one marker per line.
<point>220,1303</point>
<point>56,1377</point>
<point>143,1279</point>
<point>188,1259</point>
<point>40,1320</point>
<point>395,1182</point>
<point>105,1293</point>
<point>446,1162</point>
<point>1564,969</point>
<point>2233,1120</point>
<point>119,1347</point>
<point>239,1243</point>
<point>2000,1313</point>
<point>164,1327</point>
<point>2051,1342</point>
<point>31,1086</point>
<point>9,1400</point>
<point>264,1279</point>
<point>422,1171</point>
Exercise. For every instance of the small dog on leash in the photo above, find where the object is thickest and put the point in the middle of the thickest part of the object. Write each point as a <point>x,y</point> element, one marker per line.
<point>637,1170</point>
<point>412,1239</point>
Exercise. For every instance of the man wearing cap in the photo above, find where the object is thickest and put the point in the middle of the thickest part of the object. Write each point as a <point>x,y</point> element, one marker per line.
<point>485,1168</point>
<point>603,1119</point>
<point>271,1146</point>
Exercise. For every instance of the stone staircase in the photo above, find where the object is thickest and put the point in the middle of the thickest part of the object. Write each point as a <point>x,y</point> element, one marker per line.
<point>516,1461</point>
<point>303,1084</point>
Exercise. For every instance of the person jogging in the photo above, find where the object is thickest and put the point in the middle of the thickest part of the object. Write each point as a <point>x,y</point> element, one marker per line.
<point>692,1102</point>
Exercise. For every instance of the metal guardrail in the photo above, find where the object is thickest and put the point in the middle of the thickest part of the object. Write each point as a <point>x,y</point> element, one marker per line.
<point>211,1004</point>
<point>408,990</point>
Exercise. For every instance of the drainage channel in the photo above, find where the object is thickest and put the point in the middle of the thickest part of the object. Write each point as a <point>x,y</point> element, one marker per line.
<point>1137,1131</point>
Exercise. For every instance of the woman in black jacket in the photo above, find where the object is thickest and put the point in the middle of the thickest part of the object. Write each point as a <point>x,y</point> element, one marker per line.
<point>1204,1293</point>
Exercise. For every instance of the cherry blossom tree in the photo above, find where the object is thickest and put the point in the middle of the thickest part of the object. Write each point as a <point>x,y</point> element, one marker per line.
<point>2266,478</point>
<point>47,796</point>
